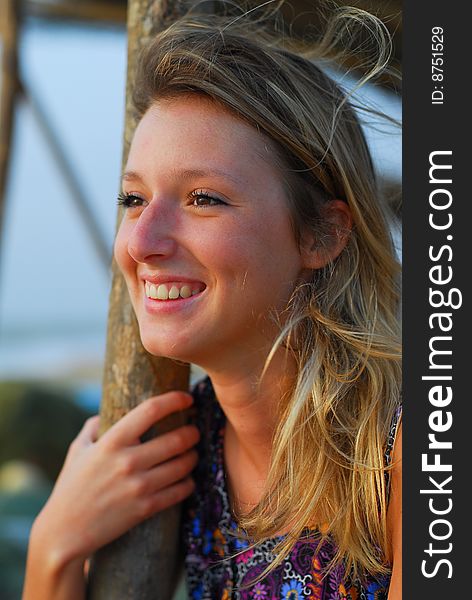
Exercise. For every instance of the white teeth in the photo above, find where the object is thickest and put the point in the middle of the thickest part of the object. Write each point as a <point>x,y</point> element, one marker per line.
<point>162,291</point>
<point>174,292</point>
<point>185,291</point>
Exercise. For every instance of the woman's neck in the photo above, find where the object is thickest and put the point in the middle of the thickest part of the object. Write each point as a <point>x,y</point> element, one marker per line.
<point>252,412</point>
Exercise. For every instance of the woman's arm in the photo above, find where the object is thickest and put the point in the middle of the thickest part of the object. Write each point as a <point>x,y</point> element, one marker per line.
<point>394,518</point>
<point>48,575</point>
<point>105,488</point>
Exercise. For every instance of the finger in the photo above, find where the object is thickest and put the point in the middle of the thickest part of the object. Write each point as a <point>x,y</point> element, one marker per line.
<point>166,474</point>
<point>134,424</point>
<point>172,471</point>
<point>165,447</point>
<point>167,497</point>
<point>89,432</point>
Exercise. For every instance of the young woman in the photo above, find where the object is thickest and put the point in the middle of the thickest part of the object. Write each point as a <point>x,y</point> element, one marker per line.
<point>253,244</point>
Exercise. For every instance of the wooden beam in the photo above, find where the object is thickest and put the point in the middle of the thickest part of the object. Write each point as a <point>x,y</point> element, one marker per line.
<point>86,10</point>
<point>8,88</point>
<point>60,155</point>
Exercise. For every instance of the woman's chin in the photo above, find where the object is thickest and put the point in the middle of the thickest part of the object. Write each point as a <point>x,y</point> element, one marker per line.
<point>166,349</point>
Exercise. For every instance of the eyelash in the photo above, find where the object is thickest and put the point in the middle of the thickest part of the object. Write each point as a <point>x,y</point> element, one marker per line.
<point>201,194</point>
<point>127,200</point>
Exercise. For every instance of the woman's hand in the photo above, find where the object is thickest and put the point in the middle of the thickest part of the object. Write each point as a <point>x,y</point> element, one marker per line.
<point>108,486</point>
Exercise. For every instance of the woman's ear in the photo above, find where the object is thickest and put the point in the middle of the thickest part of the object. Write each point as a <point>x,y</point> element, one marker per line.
<point>318,253</point>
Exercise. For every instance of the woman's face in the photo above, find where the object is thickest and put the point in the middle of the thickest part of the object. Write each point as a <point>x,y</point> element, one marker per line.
<point>207,222</point>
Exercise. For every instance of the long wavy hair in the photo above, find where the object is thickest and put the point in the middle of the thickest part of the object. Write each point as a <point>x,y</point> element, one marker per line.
<point>327,465</point>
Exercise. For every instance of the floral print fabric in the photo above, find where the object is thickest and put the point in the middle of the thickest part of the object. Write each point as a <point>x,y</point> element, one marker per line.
<point>220,565</point>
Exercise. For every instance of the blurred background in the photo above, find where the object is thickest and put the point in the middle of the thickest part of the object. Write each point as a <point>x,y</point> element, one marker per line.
<point>60,154</point>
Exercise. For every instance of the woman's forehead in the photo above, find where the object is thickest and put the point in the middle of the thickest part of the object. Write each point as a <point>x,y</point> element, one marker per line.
<point>195,133</point>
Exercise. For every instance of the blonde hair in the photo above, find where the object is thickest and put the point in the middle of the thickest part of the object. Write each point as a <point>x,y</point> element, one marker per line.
<point>343,326</point>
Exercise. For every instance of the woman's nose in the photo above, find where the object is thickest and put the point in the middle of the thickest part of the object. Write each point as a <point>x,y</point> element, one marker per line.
<point>152,237</point>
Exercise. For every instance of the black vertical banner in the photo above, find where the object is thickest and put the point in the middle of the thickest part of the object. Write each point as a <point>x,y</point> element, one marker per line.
<point>437,260</point>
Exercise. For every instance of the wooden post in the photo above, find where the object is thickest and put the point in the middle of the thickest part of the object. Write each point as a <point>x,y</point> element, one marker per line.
<point>8,86</point>
<point>142,564</point>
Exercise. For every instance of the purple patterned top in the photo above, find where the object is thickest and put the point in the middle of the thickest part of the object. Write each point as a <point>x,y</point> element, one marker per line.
<point>216,563</point>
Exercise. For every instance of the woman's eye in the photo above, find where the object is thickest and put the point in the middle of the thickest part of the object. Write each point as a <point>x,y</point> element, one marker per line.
<point>130,200</point>
<point>203,200</point>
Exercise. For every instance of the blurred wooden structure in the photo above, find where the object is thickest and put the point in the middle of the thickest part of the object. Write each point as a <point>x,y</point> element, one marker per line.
<point>8,86</point>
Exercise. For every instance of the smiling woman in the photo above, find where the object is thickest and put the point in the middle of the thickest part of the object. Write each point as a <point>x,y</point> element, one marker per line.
<point>194,224</point>
<point>253,244</point>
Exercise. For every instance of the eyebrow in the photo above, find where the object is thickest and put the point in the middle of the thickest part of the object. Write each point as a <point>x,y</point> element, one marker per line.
<point>187,174</point>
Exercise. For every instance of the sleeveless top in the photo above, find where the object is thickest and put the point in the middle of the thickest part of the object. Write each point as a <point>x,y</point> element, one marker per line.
<point>217,565</point>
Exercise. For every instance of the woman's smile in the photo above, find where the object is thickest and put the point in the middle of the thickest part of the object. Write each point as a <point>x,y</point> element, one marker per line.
<point>206,244</point>
<point>169,294</point>
<point>172,290</point>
